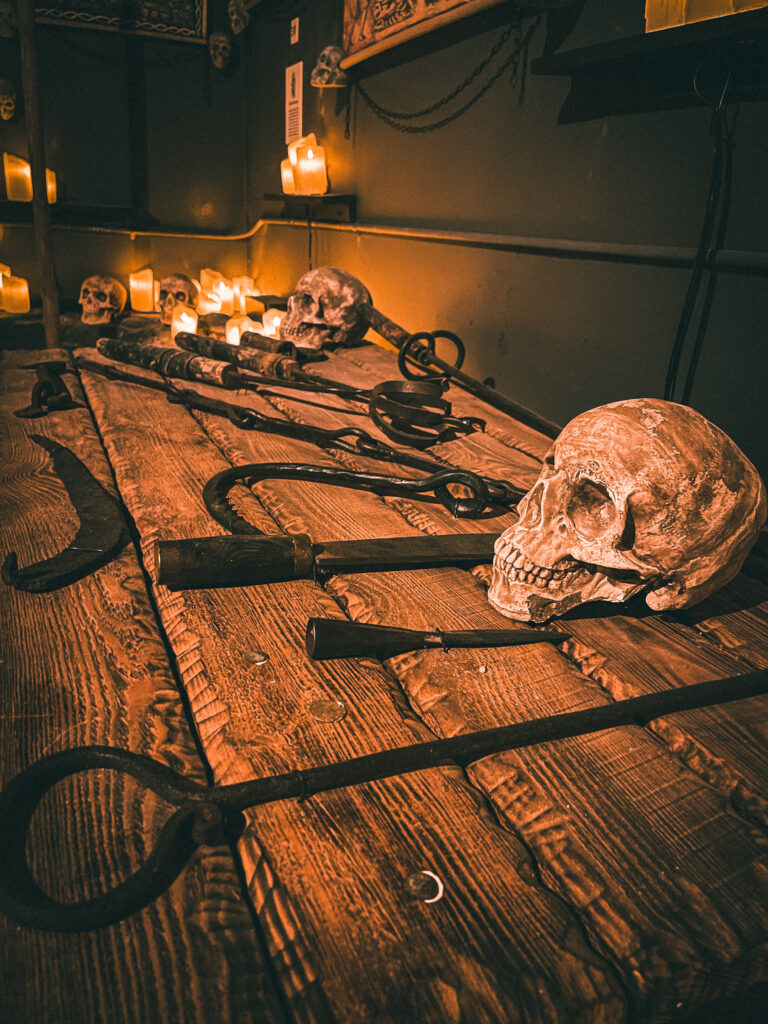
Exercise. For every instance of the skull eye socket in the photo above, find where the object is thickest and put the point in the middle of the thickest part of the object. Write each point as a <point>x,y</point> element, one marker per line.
<point>101,296</point>
<point>591,509</point>
<point>163,294</point>
<point>180,296</point>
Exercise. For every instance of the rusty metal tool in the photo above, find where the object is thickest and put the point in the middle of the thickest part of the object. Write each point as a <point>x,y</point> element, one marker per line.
<point>101,536</point>
<point>213,816</point>
<point>49,392</point>
<point>340,638</point>
<point>241,561</point>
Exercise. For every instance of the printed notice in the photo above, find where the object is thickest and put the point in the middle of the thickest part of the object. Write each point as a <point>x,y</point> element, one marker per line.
<point>293,105</point>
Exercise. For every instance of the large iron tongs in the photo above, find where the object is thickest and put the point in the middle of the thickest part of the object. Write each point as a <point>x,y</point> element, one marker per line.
<point>212,816</point>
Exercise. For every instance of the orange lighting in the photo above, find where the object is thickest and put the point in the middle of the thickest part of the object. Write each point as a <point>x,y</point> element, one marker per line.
<point>271,319</point>
<point>142,286</point>
<point>242,287</point>
<point>226,293</point>
<point>14,296</point>
<point>305,140</point>
<point>236,325</point>
<point>208,302</point>
<point>209,279</point>
<point>286,177</point>
<point>310,173</point>
<point>18,180</point>
<point>184,319</point>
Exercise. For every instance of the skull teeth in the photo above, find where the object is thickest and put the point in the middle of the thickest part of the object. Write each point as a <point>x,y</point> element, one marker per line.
<point>519,569</point>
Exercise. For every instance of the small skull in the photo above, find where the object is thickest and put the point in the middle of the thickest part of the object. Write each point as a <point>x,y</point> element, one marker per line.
<point>328,306</point>
<point>238,16</point>
<point>7,99</point>
<point>327,71</point>
<point>175,288</point>
<point>102,299</point>
<point>8,19</point>
<point>640,495</point>
<point>220,49</point>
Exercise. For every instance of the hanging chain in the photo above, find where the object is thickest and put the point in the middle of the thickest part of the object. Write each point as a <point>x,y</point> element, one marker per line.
<point>395,118</point>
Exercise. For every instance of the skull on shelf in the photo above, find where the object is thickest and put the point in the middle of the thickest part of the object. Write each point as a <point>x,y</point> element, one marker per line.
<point>7,99</point>
<point>102,299</point>
<point>640,495</point>
<point>327,71</point>
<point>8,19</point>
<point>238,16</point>
<point>220,49</point>
<point>175,288</point>
<point>328,306</point>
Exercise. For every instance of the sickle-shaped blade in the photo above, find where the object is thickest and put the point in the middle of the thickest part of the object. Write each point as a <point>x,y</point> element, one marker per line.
<point>101,535</point>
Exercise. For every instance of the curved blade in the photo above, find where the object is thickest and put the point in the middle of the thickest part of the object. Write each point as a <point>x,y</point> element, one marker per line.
<point>102,533</point>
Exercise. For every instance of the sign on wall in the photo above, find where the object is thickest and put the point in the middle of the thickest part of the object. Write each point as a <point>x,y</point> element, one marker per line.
<point>371,26</point>
<point>182,20</point>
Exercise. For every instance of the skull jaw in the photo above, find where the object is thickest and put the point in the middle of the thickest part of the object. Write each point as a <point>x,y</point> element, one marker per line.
<point>306,334</point>
<point>99,316</point>
<point>529,603</point>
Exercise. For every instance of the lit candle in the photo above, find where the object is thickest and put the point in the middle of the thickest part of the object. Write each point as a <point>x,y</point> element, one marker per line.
<point>142,285</point>
<point>236,325</point>
<point>305,140</point>
<point>286,177</point>
<point>4,271</point>
<point>15,295</point>
<point>271,319</point>
<point>184,319</point>
<point>209,279</point>
<point>226,293</point>
<point>18,180</point>
<point>242,286</point>
<point>208,302</point>
<point>310,173</point>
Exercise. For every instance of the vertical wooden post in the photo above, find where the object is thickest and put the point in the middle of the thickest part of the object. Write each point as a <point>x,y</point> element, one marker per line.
<point>40,209</point>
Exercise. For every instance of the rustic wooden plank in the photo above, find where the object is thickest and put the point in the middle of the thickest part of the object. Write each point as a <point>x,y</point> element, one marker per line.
<point>329,877</point>
<point>82,665</point>
<point>601,848</point>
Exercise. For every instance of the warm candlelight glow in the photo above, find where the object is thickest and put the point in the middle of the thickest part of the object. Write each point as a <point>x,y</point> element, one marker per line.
<point>14,295</point>
<point>293,147</point>
<point>271,319</point>
<point>242,287</point>
<point>18,180</point>
<point>209,279</point>
<point>236,325</point>
<point>286,177</point>
<point>184,319</point>
<point>310,173</point>
<point>142,286</point>
<point>208,302</point>
<point>226,293</point>
<point>4,271</point>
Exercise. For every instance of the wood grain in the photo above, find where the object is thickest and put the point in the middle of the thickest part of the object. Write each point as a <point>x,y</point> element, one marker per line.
<point>650,856</point>
<point>328,877</point>
<point>82,665</point>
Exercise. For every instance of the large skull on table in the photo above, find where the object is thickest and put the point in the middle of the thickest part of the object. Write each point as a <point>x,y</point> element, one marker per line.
<point>641,495</point>
<point>175,288</point>
<point>102,299</point>
<point>328,306</point>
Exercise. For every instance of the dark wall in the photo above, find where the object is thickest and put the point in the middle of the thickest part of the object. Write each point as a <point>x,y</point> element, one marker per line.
<point>560,335</point>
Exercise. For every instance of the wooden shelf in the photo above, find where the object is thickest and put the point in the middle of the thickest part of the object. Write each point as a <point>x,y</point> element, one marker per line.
<point>336,207</point>
<point>640,74</point>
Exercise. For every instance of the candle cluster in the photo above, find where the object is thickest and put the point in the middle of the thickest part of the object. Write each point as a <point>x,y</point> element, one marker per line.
<point>304,171</point>
<point>18,180</point>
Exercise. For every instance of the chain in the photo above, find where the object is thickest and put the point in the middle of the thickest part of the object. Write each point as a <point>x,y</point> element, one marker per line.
<point>395,118</point>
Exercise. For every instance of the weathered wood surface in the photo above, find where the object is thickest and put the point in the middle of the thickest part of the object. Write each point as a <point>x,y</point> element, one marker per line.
<point>663,874</point>
<point>329,877</point>
<point>86,664</point>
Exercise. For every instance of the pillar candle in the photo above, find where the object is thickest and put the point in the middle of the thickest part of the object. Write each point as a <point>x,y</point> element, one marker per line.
<point>310,172</point>
<point>15,295</point>
<point>18,180</point>
<point>142,285</point>
<point>236,325</point>
<point>286,177</point>
<point>184,319</point>
<point>209,279</point>
<point>208,302</point>
<point>271,319</point>
<point>242,286</point>
<point>305,140</point>
<point>226,293</point>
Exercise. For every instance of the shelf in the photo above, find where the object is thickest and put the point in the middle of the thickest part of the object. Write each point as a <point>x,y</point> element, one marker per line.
<point>334,207</point>
<point>641,74</point>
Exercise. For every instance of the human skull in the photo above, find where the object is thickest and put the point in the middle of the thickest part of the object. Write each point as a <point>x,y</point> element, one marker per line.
<point>640,495</point>
<point>238,16</point>
<point>328,305</point>
<point>102,299</point>
<point>7,99</point>
<point>220,49</point>
<point>327,71</point>
<point>8,19</point>
<point>175,288</point>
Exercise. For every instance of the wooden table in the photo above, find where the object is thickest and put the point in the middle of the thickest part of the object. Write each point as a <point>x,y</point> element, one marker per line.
<point>618,876</point>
